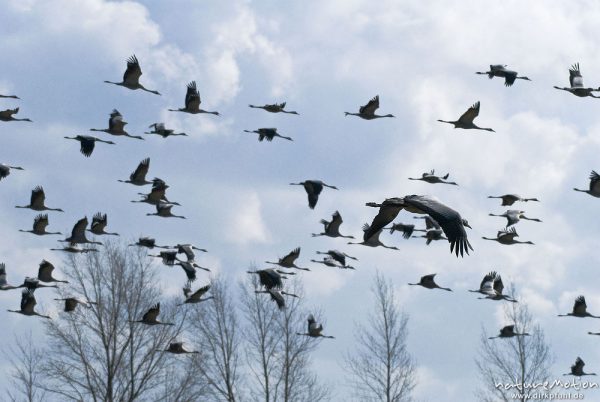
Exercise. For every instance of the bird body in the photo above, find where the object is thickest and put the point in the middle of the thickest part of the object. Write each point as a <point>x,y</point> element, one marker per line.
<point>428,282</point>
<point>313,188</point>
<point>45,273</point>
<point>371,239</point>
<point>577,87</point>
<point>289,261</point>
<point>449,220</point>
<point>78,233</point>
<point>332,228</point>
<point>28,303</point>
<point>577,369</point>
<point>195,297</point>
<point>38,198</point>
<point>3,283</point>
<point>269,278</point>
<point>338,256</point>
<point>164,211</point>
<point>7,115</point>
<point>508,332</point>
<point>147,242</point>
<point>131,77</point>
<point>40,223</point>
<point>98,225</point>
<point>268,134</point>
<point>159,129</point>
<point>150,317</point>
<point>579,309</point>
<point>330,262</point>
<point>71,303</point>
<point>594,189</point>
<point>431,178</point>
<point>277,296</point>
<point>138,176</point>
<point>315,330</point>
<point>116,126</point>
<point>192,101</point>
<point>500,70</point>
<point>509,199</point>
<point>492,287</point>
<point>177,349</point>
<point>513,217</point>
<point>465,121</point>
<point>367,111</point>
<point>88,143</point>
<point>274,108</point>
<point>507,237</point>
<point>5,170</point>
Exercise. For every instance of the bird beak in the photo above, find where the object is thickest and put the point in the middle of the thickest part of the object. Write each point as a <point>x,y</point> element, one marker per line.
<point>467,225</point>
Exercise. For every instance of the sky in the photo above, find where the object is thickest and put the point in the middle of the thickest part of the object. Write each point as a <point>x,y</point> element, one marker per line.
<point>323,58</point>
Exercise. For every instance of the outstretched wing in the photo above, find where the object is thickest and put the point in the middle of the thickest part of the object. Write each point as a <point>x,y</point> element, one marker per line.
<point>575,78</point>
<point>370,107</point>
<point>450,221</point>
<point>470,115</point>
<point>133,72</point>
<point>291,257</point>
<point>594,182</point>
<point>140,172</point>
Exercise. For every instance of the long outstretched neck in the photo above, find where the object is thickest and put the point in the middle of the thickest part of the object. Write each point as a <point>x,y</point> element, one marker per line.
<point>446,121</point>
<point>487,238</point>
<point>583,191</point>
<point>351,114</point>
<point>114,83</point>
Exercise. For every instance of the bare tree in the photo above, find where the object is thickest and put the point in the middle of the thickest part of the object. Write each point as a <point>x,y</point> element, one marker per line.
<point>504,363</point>
<point>215,325</point>
<point>25,359</point>
<point>278,358</point>
<point>98,353</point>
<point>380,366</point>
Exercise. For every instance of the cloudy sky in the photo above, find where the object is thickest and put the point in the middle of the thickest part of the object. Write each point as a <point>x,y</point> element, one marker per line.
<point>323,58</point>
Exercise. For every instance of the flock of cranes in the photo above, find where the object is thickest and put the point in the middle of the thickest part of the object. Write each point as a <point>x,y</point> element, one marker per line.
<point>441,221</point>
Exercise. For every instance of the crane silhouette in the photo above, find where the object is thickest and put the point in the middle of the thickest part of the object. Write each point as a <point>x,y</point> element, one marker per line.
<point>594,189</point>
<point>131,77</point>
<point>313,188</point>
<point>37,201</point>
<point>7,115</point>
<point>274,108</point>
<point>5,170</point>
<point>116,126</point>
<point>500,70</point>
<point>367,111</point>
<point>268,134</point>
<point>579,309</point>
<point>577,369</point>
<point>28,303</point>
<point>451,222</point>
<point>576,81</point>
<point>508,332</point>
<point>40,223</point>
<point>465,121</point>
<point>428,282</point>
<point>314,330</point>
<point>332,228</point>
<point>192,101</point>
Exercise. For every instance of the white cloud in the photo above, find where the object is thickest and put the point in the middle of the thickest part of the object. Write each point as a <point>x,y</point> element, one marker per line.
<point>244,225</point>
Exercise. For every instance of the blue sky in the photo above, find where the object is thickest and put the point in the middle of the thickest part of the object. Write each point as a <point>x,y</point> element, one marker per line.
<point>323,58</point>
